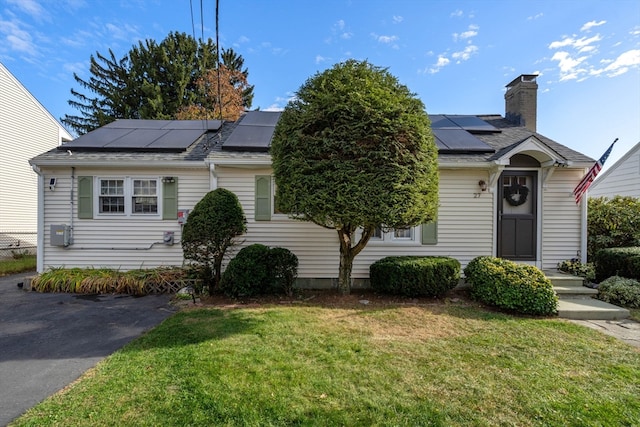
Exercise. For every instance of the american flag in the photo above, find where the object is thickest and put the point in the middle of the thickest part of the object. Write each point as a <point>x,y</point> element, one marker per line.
<point>586,181</point>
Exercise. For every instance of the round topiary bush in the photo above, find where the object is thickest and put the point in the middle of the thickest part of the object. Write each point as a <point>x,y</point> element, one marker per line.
<point>258,270</point>
<point>415,276</point>
<point>620,291</point>
<point>515,287</point>
<point>247,273</point>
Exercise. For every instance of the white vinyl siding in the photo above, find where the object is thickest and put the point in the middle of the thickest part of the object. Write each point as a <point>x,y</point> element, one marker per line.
<point>460,235</point>
<point>26,130</point>
<point>124,243</point>
<point>561,218</point>
<point>622,179</point>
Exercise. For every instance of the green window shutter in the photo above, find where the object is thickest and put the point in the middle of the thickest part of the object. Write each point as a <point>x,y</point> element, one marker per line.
<point>263,198</point>
<point>430,233</point>
<point>170,198</point>
<point>85,197</point>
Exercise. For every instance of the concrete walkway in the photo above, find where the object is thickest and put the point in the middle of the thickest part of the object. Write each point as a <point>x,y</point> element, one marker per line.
<point>626,330</point>
<point>48,340</point>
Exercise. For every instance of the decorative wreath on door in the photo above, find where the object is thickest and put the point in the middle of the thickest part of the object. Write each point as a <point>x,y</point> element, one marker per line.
<point>516,194</point>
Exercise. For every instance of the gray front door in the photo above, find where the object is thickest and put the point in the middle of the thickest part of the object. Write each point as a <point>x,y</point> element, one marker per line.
<point>517,215</point>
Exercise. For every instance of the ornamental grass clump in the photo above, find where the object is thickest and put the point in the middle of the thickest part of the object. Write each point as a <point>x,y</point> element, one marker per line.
<point>415,276</point>
<point>514,287</point>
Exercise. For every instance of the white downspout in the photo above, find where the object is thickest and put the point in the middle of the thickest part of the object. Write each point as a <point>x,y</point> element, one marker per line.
<point>40,221</point>
<point>213,176</point>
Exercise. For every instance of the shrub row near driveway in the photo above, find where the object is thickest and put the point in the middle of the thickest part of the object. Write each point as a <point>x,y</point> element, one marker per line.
<point>415,276</point>
<point>510,286</point>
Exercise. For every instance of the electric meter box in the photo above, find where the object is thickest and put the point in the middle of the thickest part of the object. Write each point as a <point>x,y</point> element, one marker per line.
<point>60,235</point>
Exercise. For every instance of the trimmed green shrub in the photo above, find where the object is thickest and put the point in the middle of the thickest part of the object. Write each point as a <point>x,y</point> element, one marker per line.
<point>415,276</point>
<point>620,291</point>
<point>574,266</point>
<point>510,286</point>
<point>612,223</point>
<point>623,262</point>
<point>247,273</point>
<point>259,270</point>
<point>211,229</point>
<point>283,269</point>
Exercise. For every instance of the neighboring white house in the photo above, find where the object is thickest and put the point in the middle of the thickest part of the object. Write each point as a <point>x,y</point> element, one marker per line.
<point>621,179</point>
<point>26,129</point>
<point>124,189</point>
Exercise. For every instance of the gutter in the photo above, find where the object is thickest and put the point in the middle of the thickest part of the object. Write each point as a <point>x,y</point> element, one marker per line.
<point>139,163</point>
<point>40,221</point>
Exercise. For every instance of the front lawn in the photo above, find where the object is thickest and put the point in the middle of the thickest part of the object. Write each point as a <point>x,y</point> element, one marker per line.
<point>439,364</point>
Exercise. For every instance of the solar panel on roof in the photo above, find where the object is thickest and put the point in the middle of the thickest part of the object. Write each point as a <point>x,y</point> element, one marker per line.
<point>135,138</point>
<point>176,139</point>
<point>144,135</point>
<point>260,118</point>
<point>136,124</point>
<point>442,122</point>
<point>472,124</point>
<point>459,141</point>
<point>249,138</point>
<point>96,139</point>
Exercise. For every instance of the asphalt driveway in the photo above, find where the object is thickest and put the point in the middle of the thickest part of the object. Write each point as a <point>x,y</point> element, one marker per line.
<point>48,340</point>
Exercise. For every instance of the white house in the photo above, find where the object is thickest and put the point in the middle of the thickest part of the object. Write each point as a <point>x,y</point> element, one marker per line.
<point>621,179</point>
<point>124,189</point>
<point>26,129</point>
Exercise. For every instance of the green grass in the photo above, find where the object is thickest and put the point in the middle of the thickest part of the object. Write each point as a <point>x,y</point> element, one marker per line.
<point>431,365</point>
<point>635,314</point>
<point>17,265</point>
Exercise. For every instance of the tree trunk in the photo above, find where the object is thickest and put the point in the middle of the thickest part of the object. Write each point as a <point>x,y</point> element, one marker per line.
<point>217,274</point>
<point>348,254</point>
<point>344,277</point>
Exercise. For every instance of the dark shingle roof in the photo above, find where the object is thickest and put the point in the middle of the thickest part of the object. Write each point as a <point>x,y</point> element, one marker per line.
<point>505,138</point>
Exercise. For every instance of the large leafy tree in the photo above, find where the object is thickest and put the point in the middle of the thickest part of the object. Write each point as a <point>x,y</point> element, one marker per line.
<point>223,90</point>
<point>211,229</point>
<point>352,152</point>
<point>152,81</point>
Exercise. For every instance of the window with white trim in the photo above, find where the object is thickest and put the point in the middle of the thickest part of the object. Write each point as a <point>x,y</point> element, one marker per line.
<point>128,196</point>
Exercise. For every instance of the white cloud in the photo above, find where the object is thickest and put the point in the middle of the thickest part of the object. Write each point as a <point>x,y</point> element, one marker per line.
<point>623,63</point>
<point>397,19</point>
<point>125,32</point>
<point>575,43</point>
<point>320,59</point>
<point>568,65</point>
<point>31,7</point>
<point>17,38</point>
<point>243,39</point>
<point>443,61</point>
<point>635,31</point>
<point>385,39</point>
<point>458,13</point>
<point>465,54</point>
<point>339,30</point>
<point>534,17</point>
<point>589,25</point>
<point>472,31</point>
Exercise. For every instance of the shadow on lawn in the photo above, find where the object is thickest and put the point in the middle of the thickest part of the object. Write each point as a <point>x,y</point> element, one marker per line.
<point>196,326</point>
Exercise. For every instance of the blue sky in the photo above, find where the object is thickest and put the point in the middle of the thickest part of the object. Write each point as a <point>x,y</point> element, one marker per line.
<point>457,56</point>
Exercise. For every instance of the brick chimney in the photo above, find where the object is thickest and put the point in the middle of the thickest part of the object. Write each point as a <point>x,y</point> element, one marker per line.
<point>521,101</point>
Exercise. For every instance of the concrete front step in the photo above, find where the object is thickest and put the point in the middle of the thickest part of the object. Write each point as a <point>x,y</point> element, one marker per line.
<point>589,309</point>
<point>559,278</point>
<point>574,291</point>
